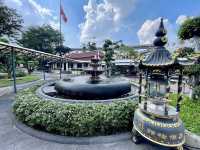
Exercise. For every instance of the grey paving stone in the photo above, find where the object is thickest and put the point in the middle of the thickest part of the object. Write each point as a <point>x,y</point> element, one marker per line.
<point>13,139</point>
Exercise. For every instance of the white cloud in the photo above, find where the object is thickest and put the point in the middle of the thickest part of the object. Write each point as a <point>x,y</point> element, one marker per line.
<point>18,2</point>
<point>102,19</point>
<point>54,24</point>
<point>11,3</point>
<point>42,11</point>
<point>45,14</point>
<point>146,33</point>
<point>181,19</point>
<point>55,18</point>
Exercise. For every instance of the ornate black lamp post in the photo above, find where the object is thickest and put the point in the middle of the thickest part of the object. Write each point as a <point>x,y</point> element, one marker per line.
<point>155,120</point>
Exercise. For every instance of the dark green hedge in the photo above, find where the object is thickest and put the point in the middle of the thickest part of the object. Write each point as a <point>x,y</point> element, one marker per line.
<point>196,93</point>
<point>73,119</point>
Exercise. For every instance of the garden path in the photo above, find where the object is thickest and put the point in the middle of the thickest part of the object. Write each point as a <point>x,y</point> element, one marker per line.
<point>12,138</point>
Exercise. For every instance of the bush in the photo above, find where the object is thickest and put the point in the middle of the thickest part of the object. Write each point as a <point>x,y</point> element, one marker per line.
<point>196,93</point>
<point>73,119</point>
<point>3,75</point>
<point>20,73</point>
<point>2,68</point>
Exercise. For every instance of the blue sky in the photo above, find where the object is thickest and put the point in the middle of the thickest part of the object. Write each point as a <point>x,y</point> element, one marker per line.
<point>133,21</point>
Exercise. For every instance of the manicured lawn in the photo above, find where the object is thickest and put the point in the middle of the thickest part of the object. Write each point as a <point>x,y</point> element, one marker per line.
<point>190,113</point>
<point>9,82</point>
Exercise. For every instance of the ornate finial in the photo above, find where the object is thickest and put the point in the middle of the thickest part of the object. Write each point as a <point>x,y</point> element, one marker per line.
<point>161,39</point>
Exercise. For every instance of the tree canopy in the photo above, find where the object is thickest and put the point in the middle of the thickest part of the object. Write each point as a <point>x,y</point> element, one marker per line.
<point>129,51</point>
<point>62,50</point>
<point>43,38</point>
<point>109,51</point>
<point>10,22</point>
<point>91,46</point>
<point>190,29</point>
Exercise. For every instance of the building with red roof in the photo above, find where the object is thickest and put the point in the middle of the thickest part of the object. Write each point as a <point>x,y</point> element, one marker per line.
<point>84,56</point>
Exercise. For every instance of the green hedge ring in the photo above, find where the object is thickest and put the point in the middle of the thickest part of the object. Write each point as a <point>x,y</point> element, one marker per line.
<point>88,119</point>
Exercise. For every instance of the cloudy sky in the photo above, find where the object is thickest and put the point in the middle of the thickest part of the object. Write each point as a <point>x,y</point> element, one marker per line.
<point>133,21</point>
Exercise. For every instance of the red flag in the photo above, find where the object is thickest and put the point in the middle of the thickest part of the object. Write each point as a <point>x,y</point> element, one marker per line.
<point>62,13</point>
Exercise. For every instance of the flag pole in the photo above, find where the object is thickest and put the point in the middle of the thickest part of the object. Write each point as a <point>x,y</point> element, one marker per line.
<point>60,43</point>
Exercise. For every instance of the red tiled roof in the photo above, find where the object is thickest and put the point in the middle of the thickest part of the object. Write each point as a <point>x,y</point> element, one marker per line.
<point>86,56</point>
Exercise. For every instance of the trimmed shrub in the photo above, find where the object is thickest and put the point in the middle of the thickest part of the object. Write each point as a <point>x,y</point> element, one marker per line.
<point>3,75</point>
<point>89,119</point>
<point>20,73</point>
<point>196,93</point>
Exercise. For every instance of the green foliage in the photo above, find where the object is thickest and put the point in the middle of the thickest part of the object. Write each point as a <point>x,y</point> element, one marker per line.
<point>196,93</point>
<point>190,113</point>
<point>91,46</point>
<point>20,73</point>
<point>2,68</point>
<point>3,75</point>
<point>184,52</point>
<point>5,63</point>
<point>109,52</point>
<point>192,70</point>
<point>130,52</point>
<point>43,38</point>
<point>5,40</point>
<point>29,62</point>
<point>10,22</point>
<point>73,119</point>
<point>189,29</point>
<point>84,47</point>
<point>62,49</point>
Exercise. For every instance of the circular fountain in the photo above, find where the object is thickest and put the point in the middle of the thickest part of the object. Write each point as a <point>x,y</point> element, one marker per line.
<point>92,87</point>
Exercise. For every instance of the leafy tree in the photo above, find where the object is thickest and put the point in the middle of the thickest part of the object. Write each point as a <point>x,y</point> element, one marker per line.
<point>10,26</point>
<point>5,60</point>
<point>129,52</point>
<point>62,49</point>
<point>193,71</point>
<point>84,47</point>
<point>28,62</point>
<point>91,46</point>
<point>5,65</point>
<point>31,66</point>
<point>190,29</point>
<point>10,22</point>
<point>43,38</point>
<point>5,40</point>
<point>196,93</point>
<point>109,52</point>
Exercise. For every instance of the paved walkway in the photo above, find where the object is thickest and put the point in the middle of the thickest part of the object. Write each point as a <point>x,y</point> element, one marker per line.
<point>12,138</point>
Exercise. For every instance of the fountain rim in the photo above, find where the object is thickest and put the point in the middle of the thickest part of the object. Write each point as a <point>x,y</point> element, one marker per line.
<point>40,93</point>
